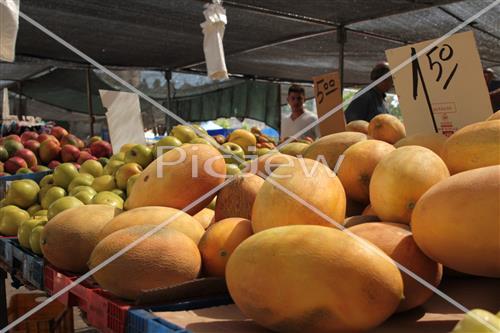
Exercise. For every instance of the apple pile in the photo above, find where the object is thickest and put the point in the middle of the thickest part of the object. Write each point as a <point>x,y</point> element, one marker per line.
<point>27,205</point>
<point>33,152</point>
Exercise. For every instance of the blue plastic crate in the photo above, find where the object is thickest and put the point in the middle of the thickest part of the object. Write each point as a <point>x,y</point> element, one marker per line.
<point>6,250</point>
<point>223,131</point>
<point>143,320</point>
<point>6,180</point>
<point>24,261</point>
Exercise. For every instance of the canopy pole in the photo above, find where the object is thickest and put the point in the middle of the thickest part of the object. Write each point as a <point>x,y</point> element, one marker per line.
<point>168,77</point>
<point>89,102</point>
<point>341,39</point>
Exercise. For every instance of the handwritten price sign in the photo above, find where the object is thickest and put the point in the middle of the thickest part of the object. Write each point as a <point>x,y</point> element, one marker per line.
<point>328,96</point>
<point>443,89</point>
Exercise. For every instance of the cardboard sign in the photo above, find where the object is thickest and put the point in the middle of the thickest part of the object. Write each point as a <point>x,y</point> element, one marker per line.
<point>124,118</point>
<point>328,95</point>
<point>444,89</point>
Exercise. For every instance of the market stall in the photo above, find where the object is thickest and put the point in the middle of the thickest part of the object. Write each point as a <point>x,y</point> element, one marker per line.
<point>141,244</point>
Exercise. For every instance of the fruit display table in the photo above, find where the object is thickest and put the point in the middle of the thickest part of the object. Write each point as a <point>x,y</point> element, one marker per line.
<point>436,316</point>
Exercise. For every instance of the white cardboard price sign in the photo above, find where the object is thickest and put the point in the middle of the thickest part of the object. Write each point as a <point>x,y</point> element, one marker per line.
<point>124,118</point>
<point>444,89</point>
<point>328,96</point>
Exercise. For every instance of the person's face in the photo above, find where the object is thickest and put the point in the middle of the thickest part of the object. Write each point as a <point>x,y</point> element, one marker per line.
<point>296,100</point>
<point>386,85</point>
<point>488,76</point>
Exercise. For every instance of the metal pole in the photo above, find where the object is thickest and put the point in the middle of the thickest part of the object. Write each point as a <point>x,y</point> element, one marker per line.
<point>168,77</point>
<point>89,102</point>
<point>3,299</point>
<point>341,39</point>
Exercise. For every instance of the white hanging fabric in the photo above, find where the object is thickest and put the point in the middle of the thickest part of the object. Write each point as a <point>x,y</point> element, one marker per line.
<point>9,24</point>
<point>124,118</point>
<point>213,31</point>
<point>5,104</point>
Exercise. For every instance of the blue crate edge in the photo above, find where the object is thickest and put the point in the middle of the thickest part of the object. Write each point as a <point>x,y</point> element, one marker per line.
<point>142,321</point>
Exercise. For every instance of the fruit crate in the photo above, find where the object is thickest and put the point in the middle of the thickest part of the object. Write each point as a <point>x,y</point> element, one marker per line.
<point>102,310</point>
<point>22,262</point>
<point>54,317</point>
<point>6,180</point>
<point>143,320</point>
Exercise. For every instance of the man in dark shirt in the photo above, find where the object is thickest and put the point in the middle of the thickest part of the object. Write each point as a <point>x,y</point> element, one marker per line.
<point>493,88</point>
<point>371,103</point>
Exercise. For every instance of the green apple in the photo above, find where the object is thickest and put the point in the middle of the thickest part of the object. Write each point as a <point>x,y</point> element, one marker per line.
<point>183,133</point>
<point>112,166</point>
<point>119,193</point>
<point>4,154</point>
<point>85,196</point>
<point>120,156</point>
<point>77,189</point>
<point>92,167</point>
<point>42,212</point>
<point>47,180</point>
<point>200,141</point>
<point>23,171</point>
<point>22,193</point>
<point>61,205</point>
<point>64,174</point>
<point>95,138</point>
<point>54,193</point>
<point>130,183</point>
<point>139,154</point>
<point>103,161</point>
<point>83,179</point>
<point>125,172</point>
<point>199,129</point>
<point>104,183</point>
<point>471,324</point>
<point>35,237</point>
<point>25,229</point>
<point>42,192</point>
<point>126,147</point>
<point>211,205</point>
<point>228,149</point>
<point>108,198</point>
<point>262,151</point>
<point>165,144</point>
<point>11,218</point>
<point>294,148</point>
<point>232,169</point>
<point>33,209</point>
<point>245,139</point>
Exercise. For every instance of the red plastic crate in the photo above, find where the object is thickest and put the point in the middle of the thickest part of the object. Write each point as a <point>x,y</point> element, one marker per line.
<point>107,313</point>
<point>103,311</point>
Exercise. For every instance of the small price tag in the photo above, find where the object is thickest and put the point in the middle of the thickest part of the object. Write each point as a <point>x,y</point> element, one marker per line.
<point>328,96</point>
<point>443,89</point>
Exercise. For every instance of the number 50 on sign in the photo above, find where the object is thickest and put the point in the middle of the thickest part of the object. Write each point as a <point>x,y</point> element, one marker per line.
<point>443,89</point>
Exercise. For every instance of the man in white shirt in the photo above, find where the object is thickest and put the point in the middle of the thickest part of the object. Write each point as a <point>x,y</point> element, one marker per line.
<point>300,117</point>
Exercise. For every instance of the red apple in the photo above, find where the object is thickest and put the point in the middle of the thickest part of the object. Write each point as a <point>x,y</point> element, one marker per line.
<point>32,145</point>
<point>14,163</point>
<point>43,137</point>
<point>69,153</point>
<point>49,150</point>
<point>58,132</point>
<point>85,156</point>
<point>28,156</point>
<point>29,135</point>
<point>69,139</point>
<point>101,149</point>
<point>53,164</point>
<point>79,143</point>
<point>14,137</point>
